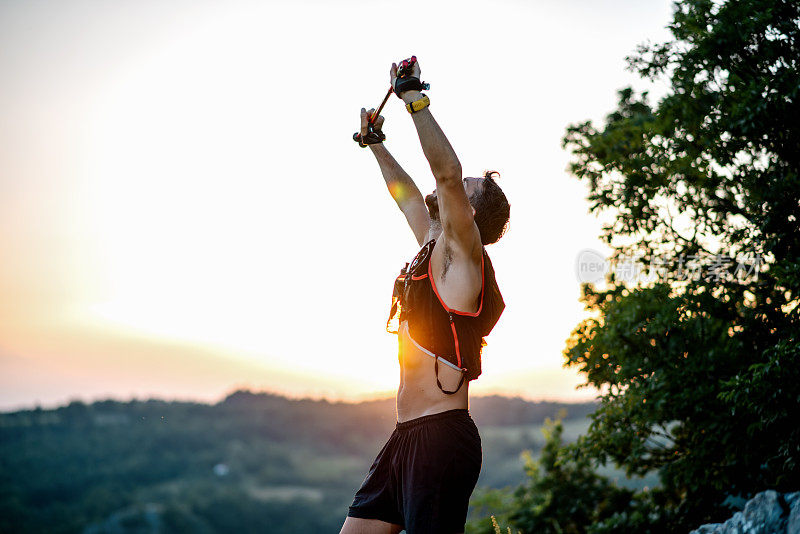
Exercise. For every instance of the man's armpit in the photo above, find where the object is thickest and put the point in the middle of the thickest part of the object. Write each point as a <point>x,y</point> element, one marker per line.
<point>447,260</point>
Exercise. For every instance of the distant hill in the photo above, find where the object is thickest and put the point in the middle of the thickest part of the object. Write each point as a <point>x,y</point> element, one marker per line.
<point>254,462</point>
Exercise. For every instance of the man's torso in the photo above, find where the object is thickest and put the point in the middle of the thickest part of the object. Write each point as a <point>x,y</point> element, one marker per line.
<point>458,285</point>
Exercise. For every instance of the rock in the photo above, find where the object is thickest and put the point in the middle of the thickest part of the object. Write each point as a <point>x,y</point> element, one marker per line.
<point>736,525</point>
<point>763,514</point>
<point>793,525</point>
<point>711,528</point>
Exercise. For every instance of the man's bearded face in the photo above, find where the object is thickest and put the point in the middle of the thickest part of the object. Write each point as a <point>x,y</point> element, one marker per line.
<point>472,186</point>
<point>432,203</point>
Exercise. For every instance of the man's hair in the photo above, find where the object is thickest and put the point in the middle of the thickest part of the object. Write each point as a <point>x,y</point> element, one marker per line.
<point>492,210</point>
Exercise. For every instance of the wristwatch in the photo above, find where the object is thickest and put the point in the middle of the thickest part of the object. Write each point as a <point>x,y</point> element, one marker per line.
<point>419,105</point>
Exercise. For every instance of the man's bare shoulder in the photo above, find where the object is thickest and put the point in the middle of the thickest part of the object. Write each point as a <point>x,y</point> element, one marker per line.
<point>456,275</point>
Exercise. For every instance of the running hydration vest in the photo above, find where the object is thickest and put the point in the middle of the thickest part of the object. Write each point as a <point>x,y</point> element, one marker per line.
<point>454,336</point>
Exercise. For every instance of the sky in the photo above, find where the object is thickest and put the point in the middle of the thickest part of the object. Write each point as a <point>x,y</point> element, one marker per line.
<point>183,211</point>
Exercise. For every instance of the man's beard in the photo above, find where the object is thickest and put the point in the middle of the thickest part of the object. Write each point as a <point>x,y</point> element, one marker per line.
<point>432,203</point>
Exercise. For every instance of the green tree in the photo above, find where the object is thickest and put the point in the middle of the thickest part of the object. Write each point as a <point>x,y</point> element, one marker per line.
<point>562,495</point>
<point>700,374</point>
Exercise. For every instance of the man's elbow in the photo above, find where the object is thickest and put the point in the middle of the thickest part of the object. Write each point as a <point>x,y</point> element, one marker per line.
<point>448,174</point>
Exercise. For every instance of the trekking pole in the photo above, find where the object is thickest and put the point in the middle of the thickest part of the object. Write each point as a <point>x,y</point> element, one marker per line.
<point>404,69</point>
<point>371,120</point>
<point>378,111</point>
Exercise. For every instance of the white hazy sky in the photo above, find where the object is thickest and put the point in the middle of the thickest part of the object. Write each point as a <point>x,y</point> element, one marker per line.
<point>183,211</point>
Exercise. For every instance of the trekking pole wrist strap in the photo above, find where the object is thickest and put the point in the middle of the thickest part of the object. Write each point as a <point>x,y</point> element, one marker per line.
<point>373,137</point>
<point>409,83</point>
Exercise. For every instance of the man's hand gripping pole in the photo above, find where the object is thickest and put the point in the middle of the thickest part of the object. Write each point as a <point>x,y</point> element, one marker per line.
<point>405,80</point>
<point>372,134</point>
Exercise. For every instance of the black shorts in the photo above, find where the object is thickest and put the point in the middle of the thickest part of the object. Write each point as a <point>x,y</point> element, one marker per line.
<point>424,475</point>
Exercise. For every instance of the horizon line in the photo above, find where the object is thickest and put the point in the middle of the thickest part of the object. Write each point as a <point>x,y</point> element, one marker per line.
<point>358,399</point>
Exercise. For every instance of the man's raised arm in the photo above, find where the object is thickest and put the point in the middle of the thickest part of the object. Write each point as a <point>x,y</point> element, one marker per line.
<point>455,211</point>
<point>402,188</point>
<point>440,155</point>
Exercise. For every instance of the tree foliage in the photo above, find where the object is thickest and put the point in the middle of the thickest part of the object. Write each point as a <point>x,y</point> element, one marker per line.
<point>562,495</point>
<point>700,373</point>
<point>698,367</point>
<point>251,460</point>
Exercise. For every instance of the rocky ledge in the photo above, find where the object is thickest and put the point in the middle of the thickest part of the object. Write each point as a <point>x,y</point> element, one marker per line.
<point>769,512</point>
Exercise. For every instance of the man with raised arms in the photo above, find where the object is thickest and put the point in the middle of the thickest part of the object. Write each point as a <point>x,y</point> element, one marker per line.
<point>445,301</point>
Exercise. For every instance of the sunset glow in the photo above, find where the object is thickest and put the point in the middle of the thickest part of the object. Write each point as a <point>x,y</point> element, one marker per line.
<point>183,210</point>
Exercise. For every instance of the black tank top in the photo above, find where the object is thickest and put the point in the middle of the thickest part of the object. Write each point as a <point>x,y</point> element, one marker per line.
<point>452,335</point>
